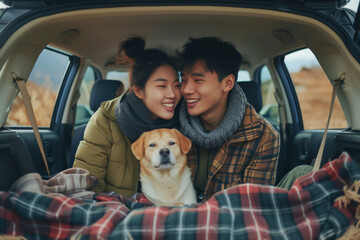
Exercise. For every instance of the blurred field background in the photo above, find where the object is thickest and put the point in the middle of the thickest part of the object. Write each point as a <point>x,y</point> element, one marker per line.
<point>43,102</point>
<point>314,94</point>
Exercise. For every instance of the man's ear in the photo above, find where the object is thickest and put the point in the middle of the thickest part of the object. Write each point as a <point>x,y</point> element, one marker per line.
<point>138,147</point>
<point>184,142</point>
<point>229,82</point>
<point>138,92</point>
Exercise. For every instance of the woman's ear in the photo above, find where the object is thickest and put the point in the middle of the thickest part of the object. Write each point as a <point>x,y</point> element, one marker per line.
<point>138,92</point>
<point>229,82</point>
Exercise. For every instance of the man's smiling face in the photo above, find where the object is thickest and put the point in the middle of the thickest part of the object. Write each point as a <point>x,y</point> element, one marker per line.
<point>202,91</point>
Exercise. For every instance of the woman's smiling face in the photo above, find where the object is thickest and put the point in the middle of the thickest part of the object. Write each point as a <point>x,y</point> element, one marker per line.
<point>161,93</point>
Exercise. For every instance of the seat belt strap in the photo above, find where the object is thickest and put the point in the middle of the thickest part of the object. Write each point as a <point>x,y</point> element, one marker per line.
<point>322,145</point>
<point>30,111</point>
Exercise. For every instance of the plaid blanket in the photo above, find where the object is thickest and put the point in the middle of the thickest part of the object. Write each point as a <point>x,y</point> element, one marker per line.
<point>72,182</point>
<point>247,211</point>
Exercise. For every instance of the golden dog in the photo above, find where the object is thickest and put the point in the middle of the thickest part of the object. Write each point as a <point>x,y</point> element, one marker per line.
<point>164,174</point>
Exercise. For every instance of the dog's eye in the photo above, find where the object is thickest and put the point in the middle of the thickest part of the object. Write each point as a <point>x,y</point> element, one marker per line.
<point>171,143</point>
<point>152,145</point>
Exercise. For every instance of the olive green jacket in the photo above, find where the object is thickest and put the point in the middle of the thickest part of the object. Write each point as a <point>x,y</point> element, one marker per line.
<point>105,152</point>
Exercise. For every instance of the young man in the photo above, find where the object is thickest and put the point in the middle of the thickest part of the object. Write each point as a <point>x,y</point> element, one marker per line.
<point>232,144</point>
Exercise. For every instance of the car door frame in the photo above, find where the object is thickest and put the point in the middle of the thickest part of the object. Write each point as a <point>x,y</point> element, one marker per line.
<point>302,145</point>
<point>56,138</point>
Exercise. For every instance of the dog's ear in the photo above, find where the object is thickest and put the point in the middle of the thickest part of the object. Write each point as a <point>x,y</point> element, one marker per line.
<point>185,143</point>
<point>138,147</point>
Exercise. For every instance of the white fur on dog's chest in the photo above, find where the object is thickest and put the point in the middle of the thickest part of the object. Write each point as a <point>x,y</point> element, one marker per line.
<point>173,190</point>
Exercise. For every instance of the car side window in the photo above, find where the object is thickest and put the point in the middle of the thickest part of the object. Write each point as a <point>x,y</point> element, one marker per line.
<point>83,111</point>
<point>270,107</point>
<point>243,76</point>
<point>123,76</point>
<point>43,86</point>
<point>313,90</point>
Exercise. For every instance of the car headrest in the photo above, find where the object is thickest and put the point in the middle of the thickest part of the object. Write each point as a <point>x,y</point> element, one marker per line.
<point>104,90</point>
<point>253,94</point>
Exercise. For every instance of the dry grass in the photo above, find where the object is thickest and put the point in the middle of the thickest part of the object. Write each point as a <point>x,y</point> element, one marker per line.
<point>43,102</point>
<point>314,94</point>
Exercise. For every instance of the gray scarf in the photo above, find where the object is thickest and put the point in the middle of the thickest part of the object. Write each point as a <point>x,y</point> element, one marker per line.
<point>192,127</point>
<point>133,117</point>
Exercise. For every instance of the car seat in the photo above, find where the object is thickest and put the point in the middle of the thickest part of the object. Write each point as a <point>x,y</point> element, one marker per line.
<point>253,93</point>
<point>101,91</point>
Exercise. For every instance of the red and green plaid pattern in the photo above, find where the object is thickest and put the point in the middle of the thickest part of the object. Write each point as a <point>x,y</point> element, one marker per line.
<point>246,211</point>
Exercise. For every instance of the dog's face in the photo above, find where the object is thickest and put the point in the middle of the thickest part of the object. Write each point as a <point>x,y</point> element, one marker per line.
<point>161,148</point>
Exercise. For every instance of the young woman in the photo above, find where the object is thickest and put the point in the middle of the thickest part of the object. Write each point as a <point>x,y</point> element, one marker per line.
<point>105,151</point>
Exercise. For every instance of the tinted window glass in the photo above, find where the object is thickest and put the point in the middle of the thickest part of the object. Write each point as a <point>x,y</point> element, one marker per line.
<point>83,112</point>
<point>270,107</point>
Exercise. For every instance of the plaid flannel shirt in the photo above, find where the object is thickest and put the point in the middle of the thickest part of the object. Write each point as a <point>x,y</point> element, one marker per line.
<point>250,155</point>
<point>247,211</point>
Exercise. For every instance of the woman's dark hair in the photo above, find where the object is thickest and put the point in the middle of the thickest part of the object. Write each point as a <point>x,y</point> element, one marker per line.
<point>143,62</point>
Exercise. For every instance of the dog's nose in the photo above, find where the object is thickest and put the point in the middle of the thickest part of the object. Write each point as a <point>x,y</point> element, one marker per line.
<point>164,152</point>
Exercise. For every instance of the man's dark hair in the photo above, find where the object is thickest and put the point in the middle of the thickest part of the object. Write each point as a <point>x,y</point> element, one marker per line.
<point>219,56</point>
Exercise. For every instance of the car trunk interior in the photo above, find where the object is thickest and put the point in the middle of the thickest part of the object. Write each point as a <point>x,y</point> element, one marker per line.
<point>259,34</point>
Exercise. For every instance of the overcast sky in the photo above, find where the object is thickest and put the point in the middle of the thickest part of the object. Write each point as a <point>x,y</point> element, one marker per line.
<point>353,4</point>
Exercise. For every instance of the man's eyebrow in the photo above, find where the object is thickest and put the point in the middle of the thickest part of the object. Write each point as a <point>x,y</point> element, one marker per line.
<point>194,74</point>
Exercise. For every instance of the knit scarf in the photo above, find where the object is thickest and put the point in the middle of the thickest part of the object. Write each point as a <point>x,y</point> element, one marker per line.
<point>192,127</point>
<point>133,117</point>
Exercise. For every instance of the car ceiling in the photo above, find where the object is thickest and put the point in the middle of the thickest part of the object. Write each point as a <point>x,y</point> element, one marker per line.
<point>95,34</point>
